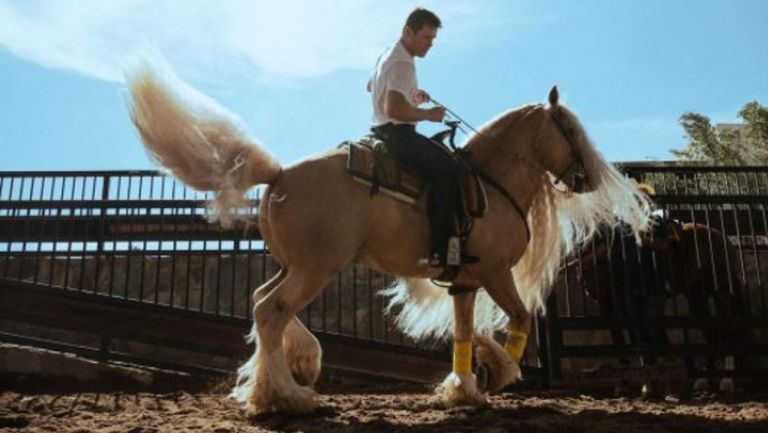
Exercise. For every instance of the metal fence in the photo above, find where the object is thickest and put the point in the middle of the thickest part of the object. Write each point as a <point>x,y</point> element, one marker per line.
<point>140,237</point>
<point>695,293</point>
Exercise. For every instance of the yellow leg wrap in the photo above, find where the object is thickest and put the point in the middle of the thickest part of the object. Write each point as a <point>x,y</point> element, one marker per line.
<point>462,357</point>
<point>516,342</point>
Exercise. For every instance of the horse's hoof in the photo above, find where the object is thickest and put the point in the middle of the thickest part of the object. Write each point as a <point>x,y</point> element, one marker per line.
<point>460,390</point>
<point>298,400</point>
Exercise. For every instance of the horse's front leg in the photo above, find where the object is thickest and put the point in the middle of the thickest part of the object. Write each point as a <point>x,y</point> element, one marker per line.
<point>503,365</point>
<point>460,387</point>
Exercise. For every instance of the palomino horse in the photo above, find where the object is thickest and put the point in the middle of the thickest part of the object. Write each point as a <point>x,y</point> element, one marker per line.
<point>687,259</point>
<point>317,220</point>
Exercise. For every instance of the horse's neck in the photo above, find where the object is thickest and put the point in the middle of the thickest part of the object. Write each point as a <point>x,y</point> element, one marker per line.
<point>517,174</point>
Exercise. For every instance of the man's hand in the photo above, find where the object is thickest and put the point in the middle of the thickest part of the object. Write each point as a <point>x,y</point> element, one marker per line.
<point>397,107</point>
<point>435,114</point>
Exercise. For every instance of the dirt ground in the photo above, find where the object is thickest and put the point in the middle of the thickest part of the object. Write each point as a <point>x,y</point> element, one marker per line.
<point>56,407</point>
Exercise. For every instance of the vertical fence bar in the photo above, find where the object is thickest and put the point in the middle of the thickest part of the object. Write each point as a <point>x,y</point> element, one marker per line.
<point>219,252</point>
<point>338,302</point>
<point>174,245</point>
<point>354,300</point>
<point>203,269</point>
<point>236,254</point>
<point>324,310</point>
<point>53,215</point>
<point>59,213</point>
<point>71,216</point>
<point>101,231</point>
<point>755,257</point>
<point>28,216</point>
<point>160,237</point>
<point>189,252</point>
<point>85,213</point>
<point>11,226</point>
<point>143,253</point>
<point>737,225</point>
<point>370,304</point>
<point>40,231</point>
<point>725,243</point>
<point>115,238</point>
<point>128,253</point>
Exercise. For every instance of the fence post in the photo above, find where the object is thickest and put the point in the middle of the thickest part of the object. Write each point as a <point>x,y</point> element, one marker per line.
<point>553,342</point>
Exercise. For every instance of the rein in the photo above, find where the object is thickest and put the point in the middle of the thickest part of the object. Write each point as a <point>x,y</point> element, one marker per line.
<point>465,157</point>
<point>490,181</point>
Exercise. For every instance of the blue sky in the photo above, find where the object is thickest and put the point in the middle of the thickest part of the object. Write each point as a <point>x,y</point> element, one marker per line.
<point>295,72</point>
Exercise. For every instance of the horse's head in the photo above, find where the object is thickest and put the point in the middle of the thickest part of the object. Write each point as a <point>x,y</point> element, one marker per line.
<point>557,147</point>
<point>548,136</point>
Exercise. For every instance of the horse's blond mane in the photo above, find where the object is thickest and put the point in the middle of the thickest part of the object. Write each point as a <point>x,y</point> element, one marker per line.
<point>499,124</point>
<point>558,221</point>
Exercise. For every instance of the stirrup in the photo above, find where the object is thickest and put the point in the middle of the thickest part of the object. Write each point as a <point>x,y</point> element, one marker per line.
<point>438,261</point>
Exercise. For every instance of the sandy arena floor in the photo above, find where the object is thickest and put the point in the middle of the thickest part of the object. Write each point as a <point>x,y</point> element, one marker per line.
<point>56,407</point>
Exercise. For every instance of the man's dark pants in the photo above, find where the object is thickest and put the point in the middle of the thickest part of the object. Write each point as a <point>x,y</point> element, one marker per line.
<point>441,171</point>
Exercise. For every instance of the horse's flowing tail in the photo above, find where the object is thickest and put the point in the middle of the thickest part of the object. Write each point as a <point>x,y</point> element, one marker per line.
<point>196,139</point>
<point>425,310</point>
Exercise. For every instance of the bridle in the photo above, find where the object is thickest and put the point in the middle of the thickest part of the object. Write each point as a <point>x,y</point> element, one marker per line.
<point>572,168</point>
<point>576,167</point>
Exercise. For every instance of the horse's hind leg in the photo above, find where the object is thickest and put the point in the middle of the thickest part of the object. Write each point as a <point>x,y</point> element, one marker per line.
<point>273,387</point>
<point>303,351</point>
<point>246,372</point>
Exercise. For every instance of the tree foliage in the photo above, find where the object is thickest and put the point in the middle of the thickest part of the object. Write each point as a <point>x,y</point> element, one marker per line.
<point>747,145</point>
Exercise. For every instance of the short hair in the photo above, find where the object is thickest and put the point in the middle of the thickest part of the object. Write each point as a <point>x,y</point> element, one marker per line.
<point>421,17</point>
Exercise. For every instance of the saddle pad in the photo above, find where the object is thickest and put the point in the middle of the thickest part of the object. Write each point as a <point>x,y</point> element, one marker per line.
<point>369,164</point>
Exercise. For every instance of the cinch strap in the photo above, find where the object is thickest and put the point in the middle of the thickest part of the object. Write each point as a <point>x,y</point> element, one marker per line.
<point>516,342</point>
<point>462,357</point>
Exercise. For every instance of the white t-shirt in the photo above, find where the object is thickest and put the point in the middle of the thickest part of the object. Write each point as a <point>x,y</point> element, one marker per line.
<point>394,70</point>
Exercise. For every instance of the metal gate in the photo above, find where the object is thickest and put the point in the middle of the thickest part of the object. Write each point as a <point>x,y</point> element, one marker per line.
<point>701,307</point>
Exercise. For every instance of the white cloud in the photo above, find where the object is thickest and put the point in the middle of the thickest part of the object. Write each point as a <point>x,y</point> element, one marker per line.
<point>287,40</point>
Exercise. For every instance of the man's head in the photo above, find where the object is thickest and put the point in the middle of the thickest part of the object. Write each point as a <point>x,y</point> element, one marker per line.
<point>419,31</point>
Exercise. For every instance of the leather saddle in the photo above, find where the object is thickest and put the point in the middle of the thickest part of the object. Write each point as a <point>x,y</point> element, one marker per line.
<point>371,163</point>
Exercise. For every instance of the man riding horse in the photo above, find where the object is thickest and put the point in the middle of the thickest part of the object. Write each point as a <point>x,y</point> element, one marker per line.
<point>532,156</point>
<point>396,96</point>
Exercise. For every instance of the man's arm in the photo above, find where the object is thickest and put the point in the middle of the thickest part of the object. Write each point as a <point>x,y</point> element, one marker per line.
<point>398,108</point>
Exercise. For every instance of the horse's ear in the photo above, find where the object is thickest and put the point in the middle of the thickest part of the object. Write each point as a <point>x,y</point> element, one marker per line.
<point>553,96</point>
